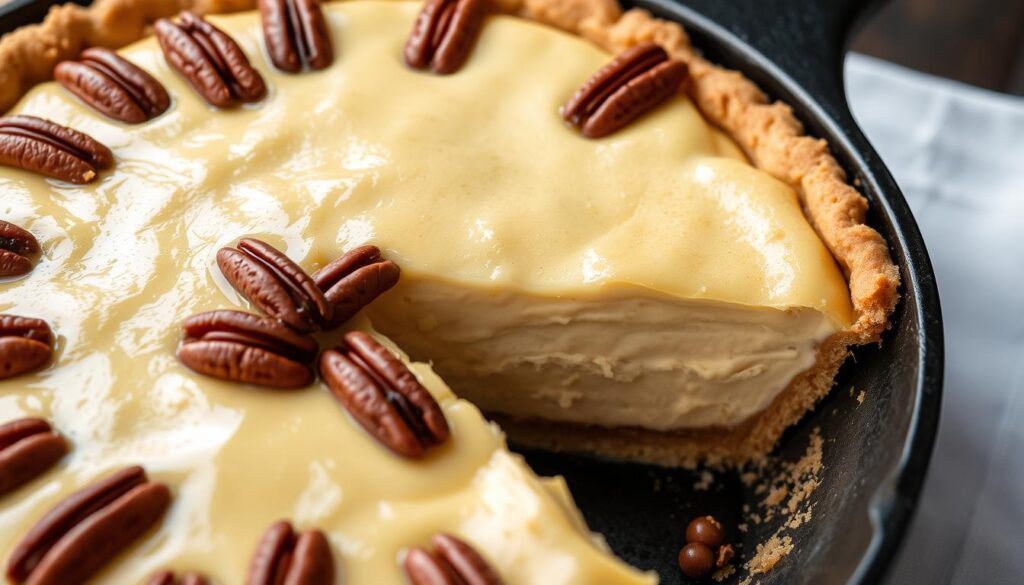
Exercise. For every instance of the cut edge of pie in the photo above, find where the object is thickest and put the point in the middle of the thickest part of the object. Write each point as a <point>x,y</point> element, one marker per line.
<point>774,141</point>
<point>768,132</point>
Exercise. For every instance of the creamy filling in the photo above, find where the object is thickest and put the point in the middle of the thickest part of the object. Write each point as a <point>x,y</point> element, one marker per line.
<point>623,358</point>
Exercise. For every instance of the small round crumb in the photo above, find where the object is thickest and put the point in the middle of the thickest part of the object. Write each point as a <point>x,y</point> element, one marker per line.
<point>705,530</point>
<point>725,554</point>
<point>696,560</point>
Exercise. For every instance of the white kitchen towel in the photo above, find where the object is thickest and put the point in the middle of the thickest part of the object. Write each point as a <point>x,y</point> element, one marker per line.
<point>958,154</point>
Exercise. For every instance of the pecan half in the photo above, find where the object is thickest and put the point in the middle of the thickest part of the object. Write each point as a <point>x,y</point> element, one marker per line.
<point>354,280</point>
<point>630,85</point>
<point>168,578</point>
<point>113,86</point>
<point>28,447</point>
<point>241,347</point>
<point>26,344</point>
<point>210,60</point>
<point>41,146</point>
<point>443,34</point>
<point>283,557</point>
<point>383,395</point>
<point>78,536</point>
<point>452,562</point>
<point>275,284</point>
<point>18,248</point>
<point>295,32</point>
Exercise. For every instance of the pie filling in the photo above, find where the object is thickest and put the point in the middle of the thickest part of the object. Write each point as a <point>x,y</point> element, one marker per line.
<point>625,359</point>
<point>651,279</point>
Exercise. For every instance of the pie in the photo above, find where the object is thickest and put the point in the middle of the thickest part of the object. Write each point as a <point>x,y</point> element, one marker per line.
<point>682,289</point>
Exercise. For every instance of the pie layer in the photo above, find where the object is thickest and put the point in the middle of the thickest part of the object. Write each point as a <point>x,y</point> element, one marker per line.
<point>653,281</point>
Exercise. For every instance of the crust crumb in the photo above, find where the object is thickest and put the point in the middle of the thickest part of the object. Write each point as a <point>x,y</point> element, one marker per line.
<point>723,573</point>
<point>707,479</point>
<point>776,496</point>
<point>769,554</point>
<point>786,488</point>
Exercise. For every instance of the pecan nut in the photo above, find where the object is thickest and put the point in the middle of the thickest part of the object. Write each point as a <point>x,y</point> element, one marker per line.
<point>443,35</point>
<point>41,146</point>
<point>18,248</point>
<point>28,447</point>
<point>241,347</point>
<point>282,556</point>
<point>296,32</point>
<point>451,562</point>
<point>354,280</point>
<point>82,533</point>
<point>630,85</point>
<point>275,284</point>
<point>168,578</point>
<point>26,344</point>
<point>383,395</point>
<point>113,86</point>
<point>210,60</point>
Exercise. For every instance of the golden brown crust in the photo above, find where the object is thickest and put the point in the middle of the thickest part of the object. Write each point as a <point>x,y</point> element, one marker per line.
<point>768,132</point>
<point>29,54</point>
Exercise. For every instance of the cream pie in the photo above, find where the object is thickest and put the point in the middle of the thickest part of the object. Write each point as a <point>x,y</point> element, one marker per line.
<point>667,287</point>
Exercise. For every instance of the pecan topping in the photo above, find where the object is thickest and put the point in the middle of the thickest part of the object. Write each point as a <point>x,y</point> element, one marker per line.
<point>283,557</point>
<point>452,562</point>
<point>354,280</point>
<point>78,536</point>
<point>275,284</point>
<point>43,147</point>
<point>241,347</point>
<point>17,250</point>
<point>28,447</point>
<point>113,86</point>
<point>443,35</point>
<point>168,578</point>
<point>295,32</point>
<point>383,395</point>
<point>25,345</point>
<point>209,60</point>
<point>633,83</point>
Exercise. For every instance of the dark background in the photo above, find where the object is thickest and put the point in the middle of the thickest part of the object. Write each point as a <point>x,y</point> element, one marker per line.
<point>980,42</point>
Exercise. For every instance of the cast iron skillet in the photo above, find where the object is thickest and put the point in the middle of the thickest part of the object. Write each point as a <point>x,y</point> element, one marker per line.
<point>876,453</point>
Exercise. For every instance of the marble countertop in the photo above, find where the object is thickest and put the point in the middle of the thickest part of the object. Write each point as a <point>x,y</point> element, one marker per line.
<point>958,154</point>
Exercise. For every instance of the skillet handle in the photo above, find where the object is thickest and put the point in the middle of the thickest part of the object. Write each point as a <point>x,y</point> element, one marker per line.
<point>805,39</point>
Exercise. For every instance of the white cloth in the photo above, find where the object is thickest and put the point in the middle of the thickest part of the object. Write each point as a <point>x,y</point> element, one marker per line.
<point>958,154</point>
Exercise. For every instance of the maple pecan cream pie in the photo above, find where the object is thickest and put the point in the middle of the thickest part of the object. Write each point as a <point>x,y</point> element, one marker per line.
<point>232,248</point>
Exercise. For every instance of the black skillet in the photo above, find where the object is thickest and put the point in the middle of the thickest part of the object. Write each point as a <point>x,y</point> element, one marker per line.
<point>876,453</point>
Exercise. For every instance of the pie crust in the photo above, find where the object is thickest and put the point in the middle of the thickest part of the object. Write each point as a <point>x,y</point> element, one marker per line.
<point>768,132</point>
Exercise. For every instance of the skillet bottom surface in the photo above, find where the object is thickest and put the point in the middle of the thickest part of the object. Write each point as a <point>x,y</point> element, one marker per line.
<point>816,514</point>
